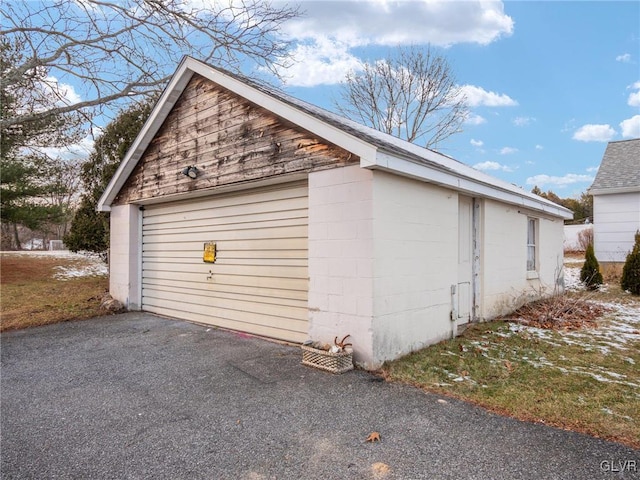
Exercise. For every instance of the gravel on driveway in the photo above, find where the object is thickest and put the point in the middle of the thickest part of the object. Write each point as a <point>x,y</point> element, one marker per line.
<point>139,396</point>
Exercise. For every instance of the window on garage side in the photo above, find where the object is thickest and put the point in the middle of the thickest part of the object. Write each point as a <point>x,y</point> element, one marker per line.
<point>532,247</point>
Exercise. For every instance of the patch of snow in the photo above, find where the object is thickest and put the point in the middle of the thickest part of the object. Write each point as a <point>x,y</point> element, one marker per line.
<point>89,270</point>
<point>572,279</point>
<point>86,264</point>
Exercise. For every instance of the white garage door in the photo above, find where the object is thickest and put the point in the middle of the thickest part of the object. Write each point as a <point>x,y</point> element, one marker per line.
<point>259,281</point>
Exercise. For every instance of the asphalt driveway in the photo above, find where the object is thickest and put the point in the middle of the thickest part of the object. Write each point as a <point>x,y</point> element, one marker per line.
<point>140,396</point>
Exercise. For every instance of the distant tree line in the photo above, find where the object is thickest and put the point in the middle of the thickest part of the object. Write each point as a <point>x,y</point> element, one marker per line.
<point>90,228</point>
<point>582,207</point>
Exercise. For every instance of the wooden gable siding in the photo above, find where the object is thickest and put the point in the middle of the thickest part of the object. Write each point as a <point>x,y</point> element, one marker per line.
<point>229,140</point>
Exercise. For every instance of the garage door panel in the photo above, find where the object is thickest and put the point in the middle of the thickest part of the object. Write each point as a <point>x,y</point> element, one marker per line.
<point>245,197</point>
<point>233,280</point>
<point>259,282</point>
<point>279,271</point>
<point>256,329</point>
<point>220,226</point>
<point>204,235</point>
<point>242,320</point>
<point>239,255</point>
<point>220,306</point>
<point>277,244</point>
<point>265,294</point>
<point>256,212</point>
<point>266,262</point>
<point>273,296</point>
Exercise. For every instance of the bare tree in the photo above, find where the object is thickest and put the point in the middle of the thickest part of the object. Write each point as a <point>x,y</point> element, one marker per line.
<point>122,49</point>
<point>412,95</point>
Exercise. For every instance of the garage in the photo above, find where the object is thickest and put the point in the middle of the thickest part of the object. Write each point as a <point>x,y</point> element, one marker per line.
<point>321,227</point>
<point>258,282</point>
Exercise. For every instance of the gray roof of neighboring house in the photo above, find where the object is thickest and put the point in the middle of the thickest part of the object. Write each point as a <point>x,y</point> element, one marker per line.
<point>620,168</point>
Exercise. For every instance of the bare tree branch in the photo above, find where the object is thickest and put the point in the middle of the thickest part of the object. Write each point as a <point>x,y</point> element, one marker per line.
<point>116,50</point>
<point>412,95</point>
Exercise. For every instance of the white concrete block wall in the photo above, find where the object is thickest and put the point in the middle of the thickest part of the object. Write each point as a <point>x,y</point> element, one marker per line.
<point>616,218</point>
<point>506,284</point>
<point>415,263</point>
<point>341,258</point>
<point>124,255</point>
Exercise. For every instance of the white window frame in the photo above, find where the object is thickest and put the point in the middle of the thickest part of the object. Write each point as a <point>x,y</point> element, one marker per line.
<point>533,225</point>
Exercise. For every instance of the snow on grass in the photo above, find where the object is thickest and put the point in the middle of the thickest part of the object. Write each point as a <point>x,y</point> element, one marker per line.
<point>83,264</point>
<point>93,269</point>
<point>618,331</point>
<point>572,279</point>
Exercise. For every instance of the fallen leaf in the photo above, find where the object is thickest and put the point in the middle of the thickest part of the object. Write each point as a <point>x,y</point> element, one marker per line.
<point>373,437</point>
<point>507,364</point>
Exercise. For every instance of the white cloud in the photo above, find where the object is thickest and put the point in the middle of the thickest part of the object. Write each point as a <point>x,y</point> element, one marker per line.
<point>523,121</point>
<point>492,166</point>
<point>80,150</point>
<point>477,96</point>
<point>474,119</point>
<point>64,92</point>
<point>592,169</point>
<point>539,147</point>
<point>568,179</point>
<point>630,127</point>
<point>401,23</point>
<point>322,63</point>
<point>476,143</point>
<point>508,150</point>
<point>327,31</point>
<point>634,97</point>
<point>594,133</point>
<point>624,58</point>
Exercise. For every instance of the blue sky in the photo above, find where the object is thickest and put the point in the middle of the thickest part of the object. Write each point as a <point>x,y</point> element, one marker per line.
<point>548,83</point>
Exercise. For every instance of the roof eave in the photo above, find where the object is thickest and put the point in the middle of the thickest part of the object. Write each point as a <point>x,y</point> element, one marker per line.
<point>449,179</point>
<point>613,190</point>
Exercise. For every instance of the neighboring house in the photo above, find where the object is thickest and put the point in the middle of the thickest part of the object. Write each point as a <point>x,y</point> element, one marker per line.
<point>616,201</point>
<point>321,227</point>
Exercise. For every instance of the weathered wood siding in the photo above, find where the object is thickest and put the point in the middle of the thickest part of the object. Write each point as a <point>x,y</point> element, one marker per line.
<point>229,140</point>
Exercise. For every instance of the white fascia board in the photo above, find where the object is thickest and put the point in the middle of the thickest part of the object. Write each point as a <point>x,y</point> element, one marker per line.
<point>174,89</point>
<point>464,184</point>
<point>611,191</point>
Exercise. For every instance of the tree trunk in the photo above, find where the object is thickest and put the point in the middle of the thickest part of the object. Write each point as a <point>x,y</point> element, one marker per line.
<point>16,237</point>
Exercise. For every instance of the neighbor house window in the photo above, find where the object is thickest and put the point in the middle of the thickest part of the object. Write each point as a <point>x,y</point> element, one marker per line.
<point>532,227</point>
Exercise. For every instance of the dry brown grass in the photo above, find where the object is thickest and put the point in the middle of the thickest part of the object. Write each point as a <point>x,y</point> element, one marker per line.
<point>568,362</point>
<point>32,296</point>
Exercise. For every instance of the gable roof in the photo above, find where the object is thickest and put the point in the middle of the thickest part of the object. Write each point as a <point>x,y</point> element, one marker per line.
<point>619,171</point>
<point>376,150</point>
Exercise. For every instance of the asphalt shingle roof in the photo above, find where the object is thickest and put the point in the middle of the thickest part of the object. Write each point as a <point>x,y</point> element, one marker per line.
<point>620,167</point>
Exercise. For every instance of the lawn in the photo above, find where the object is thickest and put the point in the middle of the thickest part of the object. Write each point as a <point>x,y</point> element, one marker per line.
<point>585,379</point>
<point>39,288</point>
